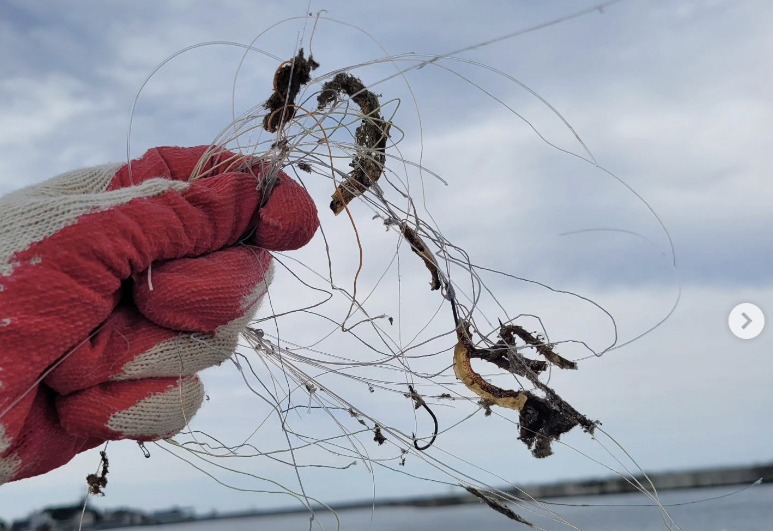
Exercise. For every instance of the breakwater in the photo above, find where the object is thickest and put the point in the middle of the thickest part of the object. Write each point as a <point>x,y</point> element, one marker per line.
<point>683,479</point>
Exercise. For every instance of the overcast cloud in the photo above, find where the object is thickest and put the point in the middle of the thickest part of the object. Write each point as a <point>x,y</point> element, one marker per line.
<point>672,97</point>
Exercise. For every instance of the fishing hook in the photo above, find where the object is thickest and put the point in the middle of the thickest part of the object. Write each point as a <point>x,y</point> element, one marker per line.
<point>421,403</point>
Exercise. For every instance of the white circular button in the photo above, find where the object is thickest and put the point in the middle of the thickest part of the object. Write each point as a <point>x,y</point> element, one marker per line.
<point>746,321</point>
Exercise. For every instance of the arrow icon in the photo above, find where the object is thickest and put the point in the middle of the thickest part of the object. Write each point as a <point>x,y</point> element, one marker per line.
<point>746,320</point>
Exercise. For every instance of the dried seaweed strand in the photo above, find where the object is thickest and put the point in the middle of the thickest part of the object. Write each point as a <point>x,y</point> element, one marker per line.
<point>498,506</point>
<point>419,247</point>
<point>288,80</point>
<point>507,332</point>
<point>463,369</point>
<point>98,482</point>
<point>501,355</point>
<point>371,138</point>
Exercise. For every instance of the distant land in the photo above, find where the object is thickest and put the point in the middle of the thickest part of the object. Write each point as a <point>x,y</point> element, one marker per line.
<point>713,477</point>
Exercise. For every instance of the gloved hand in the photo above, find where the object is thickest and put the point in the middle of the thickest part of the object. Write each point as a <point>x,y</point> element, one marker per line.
<point>117,285</point>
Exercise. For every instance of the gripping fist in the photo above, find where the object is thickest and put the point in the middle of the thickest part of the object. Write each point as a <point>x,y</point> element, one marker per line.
<point>117,285</point>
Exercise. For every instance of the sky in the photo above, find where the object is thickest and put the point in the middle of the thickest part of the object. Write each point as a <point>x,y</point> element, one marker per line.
<point>671,99</point>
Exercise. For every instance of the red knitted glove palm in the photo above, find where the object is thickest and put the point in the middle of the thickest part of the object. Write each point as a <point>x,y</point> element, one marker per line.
<point>117,285</point>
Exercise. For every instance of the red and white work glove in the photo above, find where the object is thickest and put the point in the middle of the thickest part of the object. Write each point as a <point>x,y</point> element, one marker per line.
<point>76,280</point>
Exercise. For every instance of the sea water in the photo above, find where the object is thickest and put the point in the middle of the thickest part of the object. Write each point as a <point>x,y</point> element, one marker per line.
<point>750,510</point>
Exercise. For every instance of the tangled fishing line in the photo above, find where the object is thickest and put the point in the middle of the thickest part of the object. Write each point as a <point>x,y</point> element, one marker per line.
<point>336,375</point>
